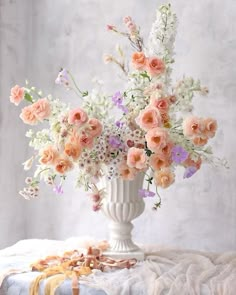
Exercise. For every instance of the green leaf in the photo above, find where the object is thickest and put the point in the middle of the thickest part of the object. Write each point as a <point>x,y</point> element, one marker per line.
<point>85,93</point>
<point>28,97</point>
<point>145,75</point>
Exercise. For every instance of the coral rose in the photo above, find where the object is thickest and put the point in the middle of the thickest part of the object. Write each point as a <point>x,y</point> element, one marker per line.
<point>192,126</point>
<point>191,163</point>
<point>63,165</point>
<point>28,115</point>
<point>72,150</point>
<point>95,127</point>
<point>162,104</point>
<point>149,118</point>
<point>139,60</point>
<point>155,66</point>
<point>157,162</point>
<point>164,178</point>
<point>17,94</point>
<point>209,127</point>
<point>136,158</point>
<point>77,117</point>
<point>48,155</point>
<point>42,109</point>
<point>200,140</point>
<point>126,172</point>
<point>157,139</point>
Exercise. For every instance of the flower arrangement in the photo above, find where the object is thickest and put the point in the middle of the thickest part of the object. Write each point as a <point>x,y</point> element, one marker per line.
<point>147,127</point>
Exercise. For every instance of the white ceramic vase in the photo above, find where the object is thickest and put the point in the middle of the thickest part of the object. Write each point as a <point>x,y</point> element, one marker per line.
<point>121,205</point>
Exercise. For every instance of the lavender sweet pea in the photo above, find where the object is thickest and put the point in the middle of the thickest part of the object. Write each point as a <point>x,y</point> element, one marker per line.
<point>63,78</point>
<point>117,98</point>
<point>144,193</point>
<point>115,142</point>
<point>190,171</point>
<point>179,154</point>
<point>58,189</point>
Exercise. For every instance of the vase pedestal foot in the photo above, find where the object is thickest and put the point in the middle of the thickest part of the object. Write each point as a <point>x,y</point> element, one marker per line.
<point>138,254</point>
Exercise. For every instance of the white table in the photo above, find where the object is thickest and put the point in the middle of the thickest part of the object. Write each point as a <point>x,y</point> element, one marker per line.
<point>165,271</point>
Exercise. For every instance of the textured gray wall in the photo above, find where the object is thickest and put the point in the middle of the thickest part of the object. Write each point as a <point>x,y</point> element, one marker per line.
<point>38,37</point>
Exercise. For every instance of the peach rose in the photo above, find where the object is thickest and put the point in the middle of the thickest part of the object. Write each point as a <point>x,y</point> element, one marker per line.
<point>192,126</point>
<point>95,127</point>
<point>42,109</point>
<point>162,104</point>
<point>86,141</point>
<point>164,178</point>
<point>157,139</point>
<point>48,155</point>
<point>157,162</point>
<point>72,150</point>
<point>165,151</point>
<point>155,66</point>
<point>149,118</point>
<point>63,164</point>
<point>209,127</point>
<point>126,172</point>
<point>189,162</point>
<point>136,158</point>
<point>139,60</point>
<point>77,117</point>
<point>17,94</point>
<point>200,140</point>
<point>28,115</point>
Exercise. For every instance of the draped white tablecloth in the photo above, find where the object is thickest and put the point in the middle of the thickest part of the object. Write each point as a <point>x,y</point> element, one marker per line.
<point>164,271</point>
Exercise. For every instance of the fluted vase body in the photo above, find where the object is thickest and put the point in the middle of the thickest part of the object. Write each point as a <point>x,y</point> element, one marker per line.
<point>121,205</point>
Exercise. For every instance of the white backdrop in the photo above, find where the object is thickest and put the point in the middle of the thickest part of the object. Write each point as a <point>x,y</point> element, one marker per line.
<point>38,37</point>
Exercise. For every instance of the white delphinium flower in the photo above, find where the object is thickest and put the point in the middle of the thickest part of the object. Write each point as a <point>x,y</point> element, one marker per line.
<point>28,164</point>
<point>162,37</point>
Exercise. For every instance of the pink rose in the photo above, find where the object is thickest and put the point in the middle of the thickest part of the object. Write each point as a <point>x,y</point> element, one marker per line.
<point>189,162</point>
<point>155,66</point>
<point>42,109</point>
<point>126,172</point>
<point>149,118</point>
<point>17,94</point>
<point>95,127</point>
<point>86,141</point>
<point>77,117</point>
<point>28,115</point>
<point>136,158</point>
<point>157,162</point>
<point>209,127</point>
<point>199,140</point>
<point>164,178</point>
<point>192,126</point>
<point>139,60</point>
<point>162,104</point>
<point>157,139</point>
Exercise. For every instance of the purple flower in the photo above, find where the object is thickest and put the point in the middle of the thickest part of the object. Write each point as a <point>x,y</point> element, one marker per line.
<point>119,124</point>
<point>62,78</point>
<point>58,189</point>
<point>123,108</point>
<point>144,193</point>
<point>179,154</point>
<point>189,171</point>
<point>115,141</point>
<point>117,98</point>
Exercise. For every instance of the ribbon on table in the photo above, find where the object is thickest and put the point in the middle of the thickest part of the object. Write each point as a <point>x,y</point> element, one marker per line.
<point>71,265</point>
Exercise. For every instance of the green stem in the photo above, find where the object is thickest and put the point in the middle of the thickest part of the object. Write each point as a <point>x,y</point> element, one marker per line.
<point>76,86</point>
